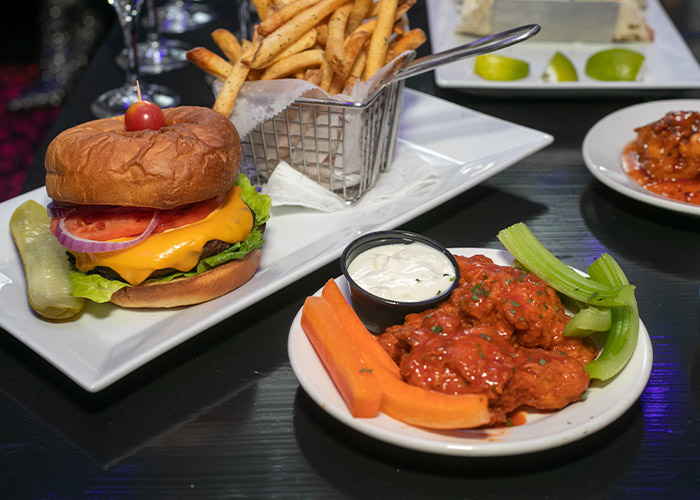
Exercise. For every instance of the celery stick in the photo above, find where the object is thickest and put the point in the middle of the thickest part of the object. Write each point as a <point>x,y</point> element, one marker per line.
<point>588,321</point>
<point>525,247</point>
<point>622,336</point>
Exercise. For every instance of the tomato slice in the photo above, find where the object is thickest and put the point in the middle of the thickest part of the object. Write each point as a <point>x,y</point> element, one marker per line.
<point>110,223</point>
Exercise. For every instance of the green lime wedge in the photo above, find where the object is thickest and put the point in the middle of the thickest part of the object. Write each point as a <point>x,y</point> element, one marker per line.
<point>560,69</point>
<point>614,65</point>
<point>501,68</point>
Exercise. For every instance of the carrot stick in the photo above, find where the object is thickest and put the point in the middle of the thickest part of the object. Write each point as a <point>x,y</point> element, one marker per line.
<point>430,409</point>
<point>342,358</point>
<point>369,380</point>
<point>368,345</point>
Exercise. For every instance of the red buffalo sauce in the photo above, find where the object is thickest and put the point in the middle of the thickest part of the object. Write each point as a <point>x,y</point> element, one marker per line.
<point>665,156</point>
<point>500,334</point>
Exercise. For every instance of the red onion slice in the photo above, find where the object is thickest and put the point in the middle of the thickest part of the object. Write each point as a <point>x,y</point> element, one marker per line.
<point>72,242</point>
<point>58,209</point>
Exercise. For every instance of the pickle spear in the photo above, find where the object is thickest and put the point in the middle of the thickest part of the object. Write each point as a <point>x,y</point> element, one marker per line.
<point>46,267</point>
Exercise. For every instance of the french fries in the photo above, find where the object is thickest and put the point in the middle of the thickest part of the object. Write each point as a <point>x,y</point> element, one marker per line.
<point>294,63</point>
<point>261,6</point>
<point>352,48</point>
<point>228,43</point>
<point>291,31</point>
<point>206,60</point>
<point>331,43</point>
<point>335,43</point>
<point>277,19</point>
<point>360,8</point>
<point>307,41</point>
<point>229,92</point>
<point>379,43</point>
<point>410,40</point>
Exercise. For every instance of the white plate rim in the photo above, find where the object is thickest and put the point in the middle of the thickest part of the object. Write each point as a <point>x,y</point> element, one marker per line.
<point>604,143</point>
<point>668,42</point>
<point>574,422</point>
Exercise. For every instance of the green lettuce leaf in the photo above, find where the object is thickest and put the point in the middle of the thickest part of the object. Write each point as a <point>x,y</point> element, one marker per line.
<point>93,286</point>
<point>258,203</point>
<point>100,289</point>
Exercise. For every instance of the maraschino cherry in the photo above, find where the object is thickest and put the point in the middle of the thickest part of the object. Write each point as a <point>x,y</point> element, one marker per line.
<point>143,115</point>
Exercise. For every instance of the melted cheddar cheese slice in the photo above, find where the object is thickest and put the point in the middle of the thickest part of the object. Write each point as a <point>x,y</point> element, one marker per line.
<point>178,248</point>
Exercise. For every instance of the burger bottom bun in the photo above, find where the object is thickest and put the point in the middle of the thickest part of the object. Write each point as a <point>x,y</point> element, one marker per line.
<point>188,291</point>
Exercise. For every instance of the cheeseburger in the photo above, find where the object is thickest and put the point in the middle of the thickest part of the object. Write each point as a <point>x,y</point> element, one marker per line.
<point>155,218</point>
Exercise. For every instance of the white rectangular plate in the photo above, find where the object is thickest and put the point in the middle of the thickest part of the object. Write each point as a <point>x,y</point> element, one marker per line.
<point>105,343</point>
<point>669,64</point>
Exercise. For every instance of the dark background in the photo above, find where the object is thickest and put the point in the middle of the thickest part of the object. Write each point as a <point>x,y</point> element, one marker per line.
<point>22,59</point>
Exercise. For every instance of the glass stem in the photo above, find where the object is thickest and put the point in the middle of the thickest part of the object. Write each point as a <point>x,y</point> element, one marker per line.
<point>128,13</point>
<point>152,29</point>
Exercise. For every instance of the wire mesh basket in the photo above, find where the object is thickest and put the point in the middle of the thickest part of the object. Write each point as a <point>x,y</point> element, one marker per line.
<point>342,146</point>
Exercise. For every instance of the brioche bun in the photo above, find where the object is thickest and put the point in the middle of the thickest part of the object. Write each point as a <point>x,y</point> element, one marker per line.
<point>193,158</point>
<point>184,292</point>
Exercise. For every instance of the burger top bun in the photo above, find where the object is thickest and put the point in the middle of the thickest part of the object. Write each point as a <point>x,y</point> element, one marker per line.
<point>195,156</point>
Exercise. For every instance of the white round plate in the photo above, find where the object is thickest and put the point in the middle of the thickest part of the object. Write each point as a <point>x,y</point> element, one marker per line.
<point>603,405</point>
<point>604,143</point>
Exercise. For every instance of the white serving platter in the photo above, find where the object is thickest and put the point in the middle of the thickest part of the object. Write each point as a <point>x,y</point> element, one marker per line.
<point>104,343</point>
<point>669,64</point>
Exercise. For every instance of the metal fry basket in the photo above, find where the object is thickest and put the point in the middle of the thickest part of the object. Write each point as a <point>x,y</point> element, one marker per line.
<point>341,146</point>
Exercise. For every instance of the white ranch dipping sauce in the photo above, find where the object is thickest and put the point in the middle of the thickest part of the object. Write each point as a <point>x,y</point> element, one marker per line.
<point>403,272</point>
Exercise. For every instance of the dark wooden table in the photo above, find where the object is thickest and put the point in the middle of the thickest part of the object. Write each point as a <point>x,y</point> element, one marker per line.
<point>223,414</point>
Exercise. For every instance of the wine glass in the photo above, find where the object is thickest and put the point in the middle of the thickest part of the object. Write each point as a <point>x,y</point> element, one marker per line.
<point>247,16</point>
<point>116,101</point>
<point>156,54</point>
<point>179,16</point>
